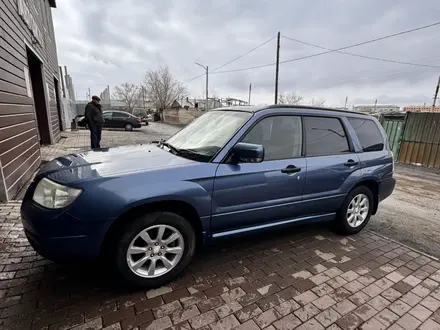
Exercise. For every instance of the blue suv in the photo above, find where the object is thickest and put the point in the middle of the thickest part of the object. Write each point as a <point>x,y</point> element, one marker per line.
<point>231,172</point>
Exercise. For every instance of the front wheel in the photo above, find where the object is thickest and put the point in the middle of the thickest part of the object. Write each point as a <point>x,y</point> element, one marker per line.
<point>155,249</point>
<point>356,210</point>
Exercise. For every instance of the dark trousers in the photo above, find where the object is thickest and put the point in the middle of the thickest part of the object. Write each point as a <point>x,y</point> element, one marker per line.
<point>95,136</point>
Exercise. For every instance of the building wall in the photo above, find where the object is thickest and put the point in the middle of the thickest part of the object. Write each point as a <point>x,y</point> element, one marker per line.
<point>180,117</point>
<point>421,108</point>
<point>19,134</point>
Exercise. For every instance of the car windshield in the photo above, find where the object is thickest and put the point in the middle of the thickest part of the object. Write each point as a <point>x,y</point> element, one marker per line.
<point>206,135</point>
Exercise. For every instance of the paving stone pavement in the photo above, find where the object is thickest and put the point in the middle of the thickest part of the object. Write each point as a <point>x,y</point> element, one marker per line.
<point>302,278</point>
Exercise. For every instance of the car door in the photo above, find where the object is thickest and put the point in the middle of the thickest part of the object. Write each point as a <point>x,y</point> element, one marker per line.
<point>331,164</point>
<point>120,119</point>
<point>247,195</point>
<point>108,118</point>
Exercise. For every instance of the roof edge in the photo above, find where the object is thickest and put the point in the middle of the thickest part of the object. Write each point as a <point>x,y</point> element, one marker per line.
<point>53,3</point>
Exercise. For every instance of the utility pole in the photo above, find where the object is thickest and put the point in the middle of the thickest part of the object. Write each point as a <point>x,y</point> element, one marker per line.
<point>375,105</point>
<point>277,68</point>
<point>206,69</point>
<point>250,91</point>
<point>436,94</point>
<point>346,100</point>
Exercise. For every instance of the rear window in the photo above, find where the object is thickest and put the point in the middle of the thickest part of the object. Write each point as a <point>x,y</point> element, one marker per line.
<point>368,134</point>
<point>325,136</point>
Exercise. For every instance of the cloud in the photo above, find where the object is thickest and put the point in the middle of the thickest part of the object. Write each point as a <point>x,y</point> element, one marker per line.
<point>108,42</point>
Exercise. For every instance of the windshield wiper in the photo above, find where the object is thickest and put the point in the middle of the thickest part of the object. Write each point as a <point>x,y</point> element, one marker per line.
<point>170,146</point>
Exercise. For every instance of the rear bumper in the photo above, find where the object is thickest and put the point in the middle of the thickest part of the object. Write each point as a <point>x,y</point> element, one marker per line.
<point>386,188</point>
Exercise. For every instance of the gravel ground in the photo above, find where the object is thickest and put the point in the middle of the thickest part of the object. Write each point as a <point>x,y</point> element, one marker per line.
<point>411,215</point>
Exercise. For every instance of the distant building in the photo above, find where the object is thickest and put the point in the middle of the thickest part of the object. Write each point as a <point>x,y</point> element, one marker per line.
<point>105,96</point>
<point>69,85</point>
<point>183,103</point>
<point>376,108</point>
<point>421,108</point>
<point>67,96</point>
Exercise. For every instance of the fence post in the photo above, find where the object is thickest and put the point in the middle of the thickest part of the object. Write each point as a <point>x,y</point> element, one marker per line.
<point>402,134</point>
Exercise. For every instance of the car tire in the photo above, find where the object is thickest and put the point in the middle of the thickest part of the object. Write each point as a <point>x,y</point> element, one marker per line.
<point>356,210</point>
<point>128,127</point>
<point>135,256</point>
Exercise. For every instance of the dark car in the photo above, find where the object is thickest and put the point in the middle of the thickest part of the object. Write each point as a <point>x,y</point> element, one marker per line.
<point>117,119</point>
<point>232,171</point>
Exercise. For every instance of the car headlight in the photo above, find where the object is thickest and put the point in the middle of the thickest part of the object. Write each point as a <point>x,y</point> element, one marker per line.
<point>53,195</point>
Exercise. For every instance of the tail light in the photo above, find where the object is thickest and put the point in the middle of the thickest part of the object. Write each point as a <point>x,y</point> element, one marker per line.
<point>138,120</point>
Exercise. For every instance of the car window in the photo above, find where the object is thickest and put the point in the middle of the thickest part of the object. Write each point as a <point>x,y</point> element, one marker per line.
<point>281,137</point>
<point>107,114</point>
<point>325,136</point>
<point>120,115</point>
<point>368,134</point>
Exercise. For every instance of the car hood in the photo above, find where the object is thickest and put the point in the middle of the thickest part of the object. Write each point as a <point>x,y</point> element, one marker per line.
<point>110,162</point>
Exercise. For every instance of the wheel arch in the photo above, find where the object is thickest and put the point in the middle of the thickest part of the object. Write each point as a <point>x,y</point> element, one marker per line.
<point>373,185</point>
<point>179,207</point>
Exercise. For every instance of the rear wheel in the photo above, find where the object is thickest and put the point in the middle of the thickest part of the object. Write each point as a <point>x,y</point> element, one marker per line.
<point>155,249</point>
<point>356,210</point>
<point>128,127</point>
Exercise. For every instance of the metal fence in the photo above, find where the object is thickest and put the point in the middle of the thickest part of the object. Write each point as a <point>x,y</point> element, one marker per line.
<point>393,125</point>
<point>414,138</point>
<point>421,140</point>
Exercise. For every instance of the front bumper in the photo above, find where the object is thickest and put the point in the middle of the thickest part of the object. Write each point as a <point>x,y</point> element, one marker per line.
<point>58,235</point>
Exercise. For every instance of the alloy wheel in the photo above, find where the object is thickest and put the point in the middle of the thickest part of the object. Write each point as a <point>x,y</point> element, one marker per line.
<point>155,251</point>
<point>357,211</point>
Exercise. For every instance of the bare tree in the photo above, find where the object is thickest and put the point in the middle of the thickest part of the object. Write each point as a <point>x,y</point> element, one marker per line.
<point>317,102</point>
<point>162,88</point>
<point>289,98</point>
<point>130,94</point>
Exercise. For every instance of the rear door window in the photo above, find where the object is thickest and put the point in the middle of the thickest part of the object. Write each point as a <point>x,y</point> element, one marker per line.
<point>325,136</point>
<point>120,115</point>
<point>368,134</point>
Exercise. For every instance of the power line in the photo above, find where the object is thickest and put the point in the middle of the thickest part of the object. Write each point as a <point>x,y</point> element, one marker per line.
<point>235,59</point>
<point>248,52</point>
<point>364,43</point>
<point>362,56</point>
<point>334,50</point>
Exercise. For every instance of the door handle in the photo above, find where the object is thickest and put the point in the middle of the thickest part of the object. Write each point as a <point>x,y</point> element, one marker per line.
<point>291,169</point>
<point>351,162</point>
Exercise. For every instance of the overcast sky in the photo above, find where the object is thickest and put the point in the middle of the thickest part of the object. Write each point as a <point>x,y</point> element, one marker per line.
<point>108,42</point>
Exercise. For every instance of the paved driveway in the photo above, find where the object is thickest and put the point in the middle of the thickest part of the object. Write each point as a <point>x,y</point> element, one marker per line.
<point>306,277</point>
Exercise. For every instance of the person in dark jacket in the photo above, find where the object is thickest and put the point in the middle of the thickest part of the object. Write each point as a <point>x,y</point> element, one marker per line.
<point>95,120</point>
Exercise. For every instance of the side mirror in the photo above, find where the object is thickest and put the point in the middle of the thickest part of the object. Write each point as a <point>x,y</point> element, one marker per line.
<point>248,153</point>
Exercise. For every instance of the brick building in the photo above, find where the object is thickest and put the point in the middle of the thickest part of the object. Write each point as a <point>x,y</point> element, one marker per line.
<point>31,112</point>
<point>421,108</point>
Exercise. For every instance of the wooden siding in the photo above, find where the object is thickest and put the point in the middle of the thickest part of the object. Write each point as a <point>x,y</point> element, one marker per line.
<point>19,141</point>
